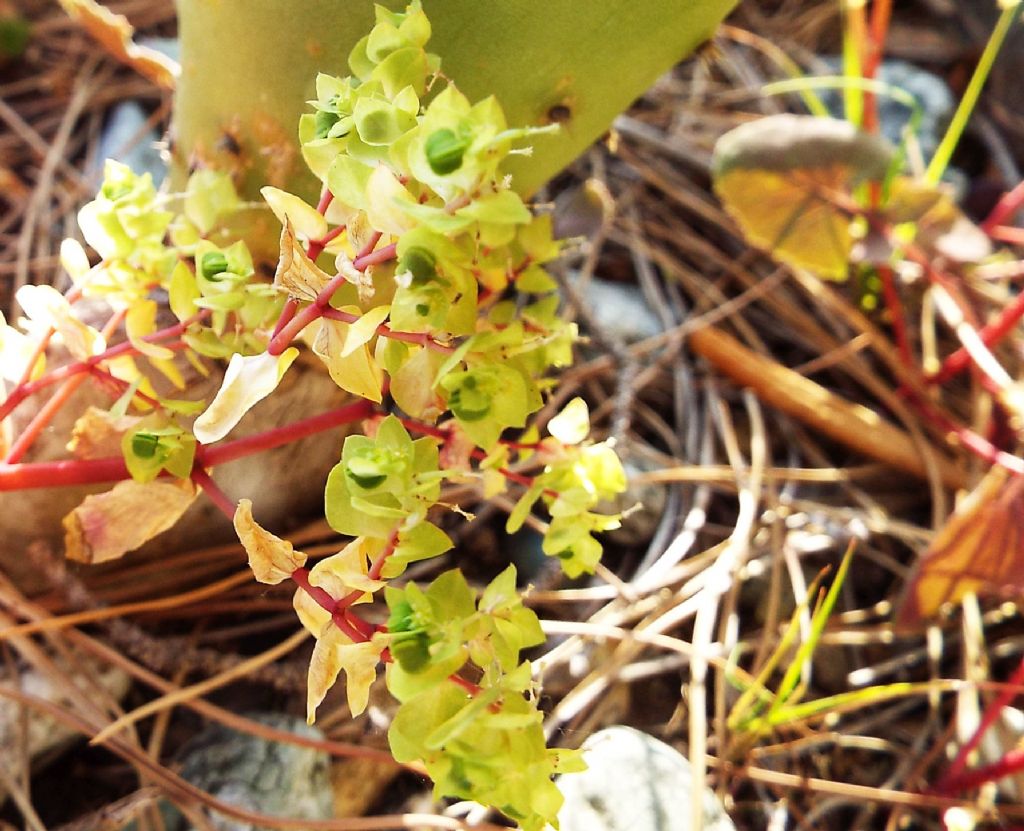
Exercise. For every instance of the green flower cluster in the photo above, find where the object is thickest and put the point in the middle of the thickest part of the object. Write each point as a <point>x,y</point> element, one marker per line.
<point>488,747</point>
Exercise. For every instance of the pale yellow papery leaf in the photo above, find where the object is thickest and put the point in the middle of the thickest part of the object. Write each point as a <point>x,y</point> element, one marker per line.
<point>296,273</point>
<point>247,381</point>
<point>46,306</point>
<point>362,280</point>
<point>114,33</point>
<point>74,260</point>
<point>572,425</point>
<point>271,558</point>
<point>97,434</point>
<point>357,373</point>
<point>346,571</point>
<point>16,350</point>
<point>108,525</point>
<point>289,209</point>
<point>334,653</point>
<point>312,615</point>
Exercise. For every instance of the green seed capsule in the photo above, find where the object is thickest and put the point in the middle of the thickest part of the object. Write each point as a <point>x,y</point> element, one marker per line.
<point>411,650</point>
<point>214,263</point>
<point>445,151</point>
<point>323,121</point>
<point>420,263</point>
<point>144,445</point>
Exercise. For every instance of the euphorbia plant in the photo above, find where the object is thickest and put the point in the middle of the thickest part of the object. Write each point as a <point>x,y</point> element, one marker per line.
<point>418,280</point>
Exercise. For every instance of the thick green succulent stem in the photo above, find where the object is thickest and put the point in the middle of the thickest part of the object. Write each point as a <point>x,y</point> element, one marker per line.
<point>248,66</point>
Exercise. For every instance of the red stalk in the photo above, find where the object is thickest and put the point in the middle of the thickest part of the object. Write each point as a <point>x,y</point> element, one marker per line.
<point>1004,210</point>
<point>202,479</point>
<point>992,712</point>
<point>991,334</point>
<point>94,471</point>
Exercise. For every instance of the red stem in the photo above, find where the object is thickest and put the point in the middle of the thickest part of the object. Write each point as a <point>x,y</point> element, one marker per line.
<point>23,391</point>
<point>202,479</point>
<point>1011,762</point>
<point>1005,209</point>
<point>991,335</point>
<point>344,620</point>
<point>992,712</point>
<point>476,453</point>
<point>49,411</point>
<point>421,338</point>
<point>1008,234</point>
<point>93,471</point>
<point>895,308</point>
<point>881,13</point>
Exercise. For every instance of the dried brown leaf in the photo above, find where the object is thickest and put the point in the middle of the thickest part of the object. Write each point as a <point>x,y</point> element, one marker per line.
<point>980,549</point>
<point>271,559</point>
<point>97,434</point>
<point>108,525</point>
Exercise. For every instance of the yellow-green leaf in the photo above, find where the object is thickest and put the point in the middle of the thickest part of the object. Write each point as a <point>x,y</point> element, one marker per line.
<point>781,178</point>
<point>307,221</point>
<point>357,373</point>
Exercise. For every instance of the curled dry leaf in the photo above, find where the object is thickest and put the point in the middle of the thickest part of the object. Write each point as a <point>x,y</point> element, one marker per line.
<point>296,273</point>
<point>334,653</point>
<point>108,525</point>
<point>271,559</point>
<point>347,570</point>
<point>114,33</point>
<point>97,434</point>
<point>980,549</point>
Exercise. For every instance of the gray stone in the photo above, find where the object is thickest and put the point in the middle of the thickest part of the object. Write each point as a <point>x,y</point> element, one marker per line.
<point>125,139</point>
<point>264,777</point>
<point>634,783</point>
<point>620,310</point>
<point>931,92</point>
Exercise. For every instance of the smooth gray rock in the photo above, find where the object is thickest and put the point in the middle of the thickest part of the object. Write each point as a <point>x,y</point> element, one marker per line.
<point>634,783</point>
<point>931,92</point>
<point>265,777</point>
<point>124,136</point>
<point>126,139</point>
<point>620,310</point>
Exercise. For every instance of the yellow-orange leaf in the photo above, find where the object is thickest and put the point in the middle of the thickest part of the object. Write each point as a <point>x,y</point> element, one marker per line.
<point>114,33</point>
<point>108,525</point>
<point>271,559</point>
<point>980,549</point>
